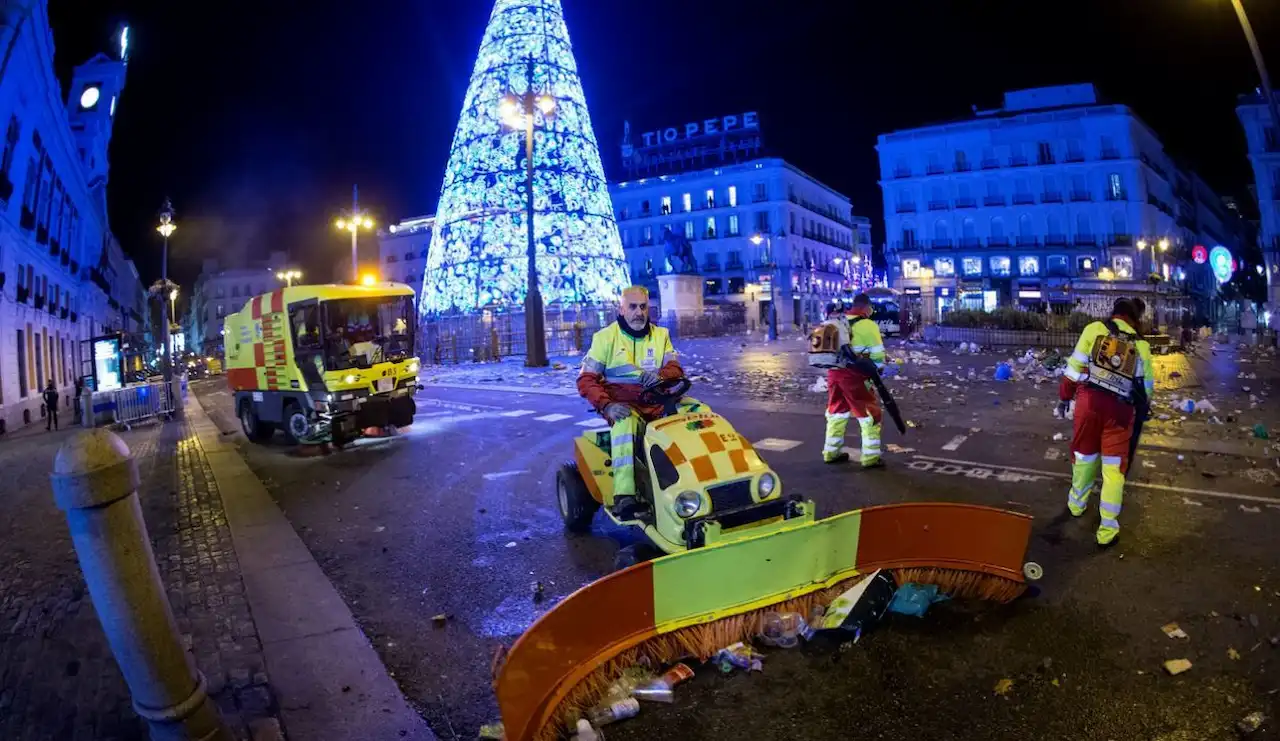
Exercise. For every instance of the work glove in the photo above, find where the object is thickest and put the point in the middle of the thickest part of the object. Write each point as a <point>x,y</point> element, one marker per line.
<point>1060,411</point>
<point>616,412</point>
<point>649,378</point>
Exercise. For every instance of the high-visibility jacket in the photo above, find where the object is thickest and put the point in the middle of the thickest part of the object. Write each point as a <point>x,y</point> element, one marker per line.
<point>1149,375</point>
<point>1094,364</point>
<point>865,340</point>
<point>612,367</point>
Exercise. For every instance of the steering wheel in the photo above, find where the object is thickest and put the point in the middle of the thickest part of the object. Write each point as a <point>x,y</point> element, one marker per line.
<point>666,392</point>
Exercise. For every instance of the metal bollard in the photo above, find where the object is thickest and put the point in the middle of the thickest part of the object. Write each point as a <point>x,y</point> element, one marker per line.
<point>95,481</point>
<point>86,407</point>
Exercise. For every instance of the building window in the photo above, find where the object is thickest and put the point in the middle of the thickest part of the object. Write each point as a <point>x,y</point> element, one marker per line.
<point>733,225</point>
<point>759,193</point>
<point>935,164</point>
<point>1086,264</point>
<point>735,259</point>
<point>962,161</point>
<point>1118,223</point>
<point>1028,265</point>
<point>1057,265</point>
<point>1115,187</point>
<point>911,268</point>
<point>997,228</point>
<point>1122,265</point>
<point>908,237</point>
<point>944,267</point>
<point>688,230</point>
<point>30,194</point>
<point>762,221</point>
<point>1108,149</point>
<point>1000,266</point>
<point>972,266</point>
<point>711,198</point>
<point>644,208</point>
<point>648,235</point>
<point>687,201</point>
<point>1044,153</point>
<point>989,160</point>
<point>711,227</point>
<point>793,221</point>
<point>235,290</point>
<point>22,365</point>
<point>733,195</point>
<point>666,205</point>
<point>1025,229</point>
<point>6,163</point>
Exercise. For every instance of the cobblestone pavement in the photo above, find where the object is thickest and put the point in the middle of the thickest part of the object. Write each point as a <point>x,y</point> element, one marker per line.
<point>58,679</point>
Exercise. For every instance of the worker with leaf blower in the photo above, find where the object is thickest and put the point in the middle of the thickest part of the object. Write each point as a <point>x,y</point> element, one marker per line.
<point>1106,376</point>
<point>625,358</point>
<point>848,344</point>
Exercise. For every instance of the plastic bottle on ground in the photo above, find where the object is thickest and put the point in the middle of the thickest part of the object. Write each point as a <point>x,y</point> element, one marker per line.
<point>586,732</point>
<point>620,710</point>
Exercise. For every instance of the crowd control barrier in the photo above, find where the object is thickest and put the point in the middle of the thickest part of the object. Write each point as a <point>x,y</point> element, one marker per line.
<point>132,404</point>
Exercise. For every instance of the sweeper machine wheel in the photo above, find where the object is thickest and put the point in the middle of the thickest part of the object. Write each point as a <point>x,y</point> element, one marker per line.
<point>577,506</point>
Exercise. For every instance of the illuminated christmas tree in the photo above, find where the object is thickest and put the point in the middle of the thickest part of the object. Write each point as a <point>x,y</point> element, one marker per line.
<point>478,250</point>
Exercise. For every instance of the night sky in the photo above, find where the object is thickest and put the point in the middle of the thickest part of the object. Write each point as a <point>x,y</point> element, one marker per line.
<point>256,119</point>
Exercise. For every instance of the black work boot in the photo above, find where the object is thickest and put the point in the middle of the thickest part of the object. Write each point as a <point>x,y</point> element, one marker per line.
<point>624,508</point>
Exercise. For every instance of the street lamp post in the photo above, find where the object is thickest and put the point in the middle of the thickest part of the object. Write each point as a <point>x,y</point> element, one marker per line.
<point>757,239</point>
<point>289,276</point>
<point>354,223</point>
<point>520,111</point>
<point>166,228</point>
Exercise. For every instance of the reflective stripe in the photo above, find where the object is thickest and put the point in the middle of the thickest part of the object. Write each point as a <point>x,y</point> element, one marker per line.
<point>876,349</point>
<point>591,365</point>
<point>1109,523</point>
<point>1150,384</point>
<point>838,415</point>
<point>622,371</point>
<point>834,440</point>
<point>1082,458</point>
<point>1080,357</point>
<point>864,421</point>
<point>624,460</point>
<point>1110,460</point>
<point>1109,509</point>
<point>1074,374</point>
<point>871,450</point>
<point>621,440</point>
<point>829,448</point>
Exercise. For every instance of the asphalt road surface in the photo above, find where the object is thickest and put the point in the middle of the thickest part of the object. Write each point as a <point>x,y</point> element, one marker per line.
<point>457,516</point>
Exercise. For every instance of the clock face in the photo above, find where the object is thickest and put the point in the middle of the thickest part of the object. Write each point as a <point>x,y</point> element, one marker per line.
<point>89,98</point>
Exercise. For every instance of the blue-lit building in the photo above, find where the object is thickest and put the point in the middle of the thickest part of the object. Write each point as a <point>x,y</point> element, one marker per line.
<point>741,218</point>
<point>63,275</point>
<point>1263,139</point>
<point>1051,195</point>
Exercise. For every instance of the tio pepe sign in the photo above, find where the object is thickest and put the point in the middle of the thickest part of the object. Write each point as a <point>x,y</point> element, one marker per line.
<point>709,127</point>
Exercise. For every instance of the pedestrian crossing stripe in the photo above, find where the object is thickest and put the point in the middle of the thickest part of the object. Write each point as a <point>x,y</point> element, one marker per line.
<point>552,417</point>
<point>775,444</point>
<point>593,422</point>
<point>519,413</point>
<point>955,442</point>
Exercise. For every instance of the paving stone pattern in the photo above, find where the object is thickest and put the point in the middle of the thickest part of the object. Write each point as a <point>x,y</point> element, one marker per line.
<point>58,679</point>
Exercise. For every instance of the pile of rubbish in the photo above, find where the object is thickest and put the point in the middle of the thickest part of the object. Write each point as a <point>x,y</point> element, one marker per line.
<point>1033,365</point>
<point>848,617</point>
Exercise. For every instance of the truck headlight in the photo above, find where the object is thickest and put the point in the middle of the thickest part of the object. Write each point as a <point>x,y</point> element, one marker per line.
<point>413,367</point>
<point>688,503</point>
<point>768,482</point>
<point>350,378</point>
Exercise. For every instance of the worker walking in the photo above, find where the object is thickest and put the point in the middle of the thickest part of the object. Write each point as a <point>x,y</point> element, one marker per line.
<point>1142,402</point>
<point>51,406</point>
<point>849,391</point>
<point>625,358</point>
<point>1103,375</point>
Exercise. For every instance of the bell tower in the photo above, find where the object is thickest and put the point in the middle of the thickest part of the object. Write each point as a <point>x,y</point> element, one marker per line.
<point>92,99</point>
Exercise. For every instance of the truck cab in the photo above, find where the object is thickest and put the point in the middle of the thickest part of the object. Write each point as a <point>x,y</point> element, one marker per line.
<point>323,363</point>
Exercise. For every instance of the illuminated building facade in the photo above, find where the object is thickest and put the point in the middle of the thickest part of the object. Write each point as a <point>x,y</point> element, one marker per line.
<point>477,256</point>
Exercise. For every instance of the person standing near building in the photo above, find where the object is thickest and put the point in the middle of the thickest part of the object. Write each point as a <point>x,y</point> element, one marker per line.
<point>1102,375</point>
<point>849,392</point>
<point>50,406</point>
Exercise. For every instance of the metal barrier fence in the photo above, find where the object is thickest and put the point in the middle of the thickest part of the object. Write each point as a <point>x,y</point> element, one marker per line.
<point>132,404</point>
<point>490,336</point>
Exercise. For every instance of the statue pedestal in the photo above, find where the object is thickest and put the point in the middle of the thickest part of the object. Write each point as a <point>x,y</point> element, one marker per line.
<point>681,294</point>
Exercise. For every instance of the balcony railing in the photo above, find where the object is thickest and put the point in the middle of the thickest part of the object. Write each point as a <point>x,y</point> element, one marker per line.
<point>943,243</point>
<point>1113,196</point>
<point>997,241</point>
<point>901,172</point>
<point>1018,161</point>
<point>733,266</point>
<point>1084,240</point>
<point>65,258</point>
<point>1080,195</point>
<point>28,218</point>
<point>1051,197</point>
<point>934,170</point>
<point>937,205</point>
<point>966,203</point>
<point>1121,240</point>
<point>1110,154</point>
<point>1045,159</point>
<point>1055,240</point>
<point>1027,241</point>
<point>1074,157</point>
<point>38,302</point>
<point>905,208</point>
<point>1022,199</point>
<point>993,201</point>
<point>991,164</point>
<point>971,241</point>
<point>962,167</point>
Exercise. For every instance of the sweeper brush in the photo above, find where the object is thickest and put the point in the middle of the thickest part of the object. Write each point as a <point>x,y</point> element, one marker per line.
<point>700,601</point>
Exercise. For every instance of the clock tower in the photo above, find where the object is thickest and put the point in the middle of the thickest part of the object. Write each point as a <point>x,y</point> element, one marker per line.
<point>92,99</point>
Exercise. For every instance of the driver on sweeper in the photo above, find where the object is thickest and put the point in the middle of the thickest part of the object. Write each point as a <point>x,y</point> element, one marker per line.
<point>625,358</point>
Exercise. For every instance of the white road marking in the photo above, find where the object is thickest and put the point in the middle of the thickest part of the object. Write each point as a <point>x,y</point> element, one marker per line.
<point>855,454</point>
<point>502,475</point>
<point>593,422</point>
<point>519,413</point>
<point>442,404</point>
<point>775,444</point>
<point>1052,454</point>
<point>1134,484</point>
<point>552,417</point>
<point>431,414</point>
<point>955,442</point>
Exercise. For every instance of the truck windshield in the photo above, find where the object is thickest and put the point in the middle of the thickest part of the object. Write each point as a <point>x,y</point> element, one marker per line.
<point>360,332</point>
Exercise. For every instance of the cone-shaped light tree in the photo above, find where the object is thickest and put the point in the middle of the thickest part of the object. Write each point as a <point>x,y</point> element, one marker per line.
<point>524,90</point>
